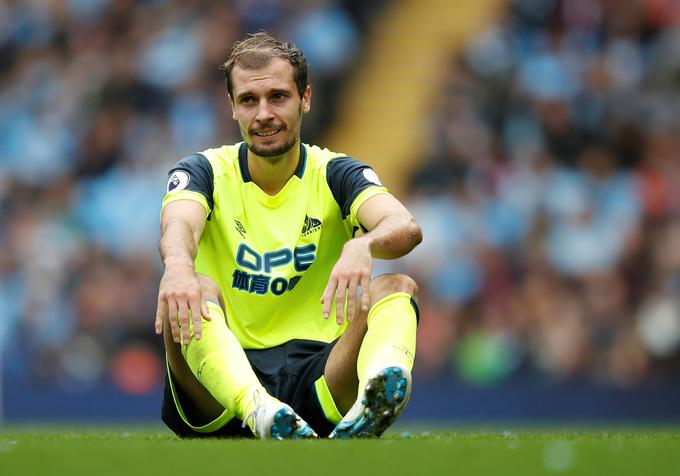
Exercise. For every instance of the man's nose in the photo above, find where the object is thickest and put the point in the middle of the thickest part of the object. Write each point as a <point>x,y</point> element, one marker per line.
<point>264,112</point>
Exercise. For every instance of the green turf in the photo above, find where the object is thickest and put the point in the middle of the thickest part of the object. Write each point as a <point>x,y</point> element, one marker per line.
<point>27,451</point>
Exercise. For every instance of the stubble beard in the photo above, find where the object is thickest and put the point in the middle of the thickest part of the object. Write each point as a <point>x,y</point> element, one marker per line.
<point>269,153</point>
<point>278,151</point>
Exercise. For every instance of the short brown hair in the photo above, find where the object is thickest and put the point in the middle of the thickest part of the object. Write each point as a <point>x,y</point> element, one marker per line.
<point>257,50</point>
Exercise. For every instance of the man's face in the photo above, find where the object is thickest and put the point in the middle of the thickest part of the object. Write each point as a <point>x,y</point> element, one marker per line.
<point>268,108</point>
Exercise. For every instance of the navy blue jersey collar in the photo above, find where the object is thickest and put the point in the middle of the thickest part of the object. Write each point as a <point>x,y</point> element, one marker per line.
<point>243,162</point>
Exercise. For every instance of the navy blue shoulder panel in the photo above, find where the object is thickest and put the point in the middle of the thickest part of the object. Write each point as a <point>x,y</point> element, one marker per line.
<point>193,173</point>
<point>346,179</point>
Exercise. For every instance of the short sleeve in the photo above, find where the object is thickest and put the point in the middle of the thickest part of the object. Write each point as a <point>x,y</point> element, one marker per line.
<point>191,179</point>
<point>348,179</point>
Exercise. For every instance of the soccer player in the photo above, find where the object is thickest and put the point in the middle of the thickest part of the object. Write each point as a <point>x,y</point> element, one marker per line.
<point>263,242</point>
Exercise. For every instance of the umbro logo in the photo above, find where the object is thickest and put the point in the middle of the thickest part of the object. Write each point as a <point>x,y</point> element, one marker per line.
<point>311,225</point>
<point>240,228</point>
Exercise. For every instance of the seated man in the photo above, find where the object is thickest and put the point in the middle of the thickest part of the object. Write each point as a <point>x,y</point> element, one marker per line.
<point>262,242</point>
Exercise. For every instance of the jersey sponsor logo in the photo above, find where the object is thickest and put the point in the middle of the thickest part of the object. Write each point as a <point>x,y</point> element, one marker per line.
<point>261,283</point>
<point>257,279</point>
<point>302,258</point>
<point>178,181</point>
<point>310,225</point>
<point>371,176</point>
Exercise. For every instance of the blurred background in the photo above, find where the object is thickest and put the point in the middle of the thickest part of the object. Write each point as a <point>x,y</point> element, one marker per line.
<point>535,141</point>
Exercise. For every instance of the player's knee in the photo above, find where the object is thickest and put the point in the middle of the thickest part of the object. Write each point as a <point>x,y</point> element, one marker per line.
<point>387,284</point>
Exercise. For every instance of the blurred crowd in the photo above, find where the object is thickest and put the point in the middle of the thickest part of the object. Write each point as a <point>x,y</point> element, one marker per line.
<point>551,199</point>
<point>98,98</point>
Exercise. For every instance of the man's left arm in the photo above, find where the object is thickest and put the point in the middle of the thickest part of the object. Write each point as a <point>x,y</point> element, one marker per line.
<point>392,232</point>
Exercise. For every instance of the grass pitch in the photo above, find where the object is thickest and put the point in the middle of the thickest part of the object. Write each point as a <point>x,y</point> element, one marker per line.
<point>128,452</point>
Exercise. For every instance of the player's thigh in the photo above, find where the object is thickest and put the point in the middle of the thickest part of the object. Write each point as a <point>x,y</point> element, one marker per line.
<point>341,368</point>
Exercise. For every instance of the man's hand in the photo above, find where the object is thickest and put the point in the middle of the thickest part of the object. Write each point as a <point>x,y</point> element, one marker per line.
<point>180,293</point>
<point>352,270</point>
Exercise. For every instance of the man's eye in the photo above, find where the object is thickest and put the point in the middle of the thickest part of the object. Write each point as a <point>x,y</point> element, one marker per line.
<point>247,100</point>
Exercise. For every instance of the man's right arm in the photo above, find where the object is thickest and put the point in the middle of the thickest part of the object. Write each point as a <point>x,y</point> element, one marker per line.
<point>182,223</point>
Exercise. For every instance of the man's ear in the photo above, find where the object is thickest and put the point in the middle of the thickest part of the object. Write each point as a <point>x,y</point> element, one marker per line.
<point>231,103</point>
<point>307,99</point>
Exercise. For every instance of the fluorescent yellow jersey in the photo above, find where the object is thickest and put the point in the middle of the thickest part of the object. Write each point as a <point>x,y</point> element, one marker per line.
<point>272,255</point>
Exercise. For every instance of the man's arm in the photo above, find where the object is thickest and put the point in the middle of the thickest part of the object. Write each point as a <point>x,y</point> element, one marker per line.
<point>182,224</point>
<point>392,232</point>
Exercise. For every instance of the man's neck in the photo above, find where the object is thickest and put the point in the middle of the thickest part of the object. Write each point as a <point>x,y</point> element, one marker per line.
<point>272,173</point>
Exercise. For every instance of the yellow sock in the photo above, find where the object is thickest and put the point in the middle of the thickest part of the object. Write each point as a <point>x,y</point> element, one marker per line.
<point>390,338</point>
<point>220,364</point>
